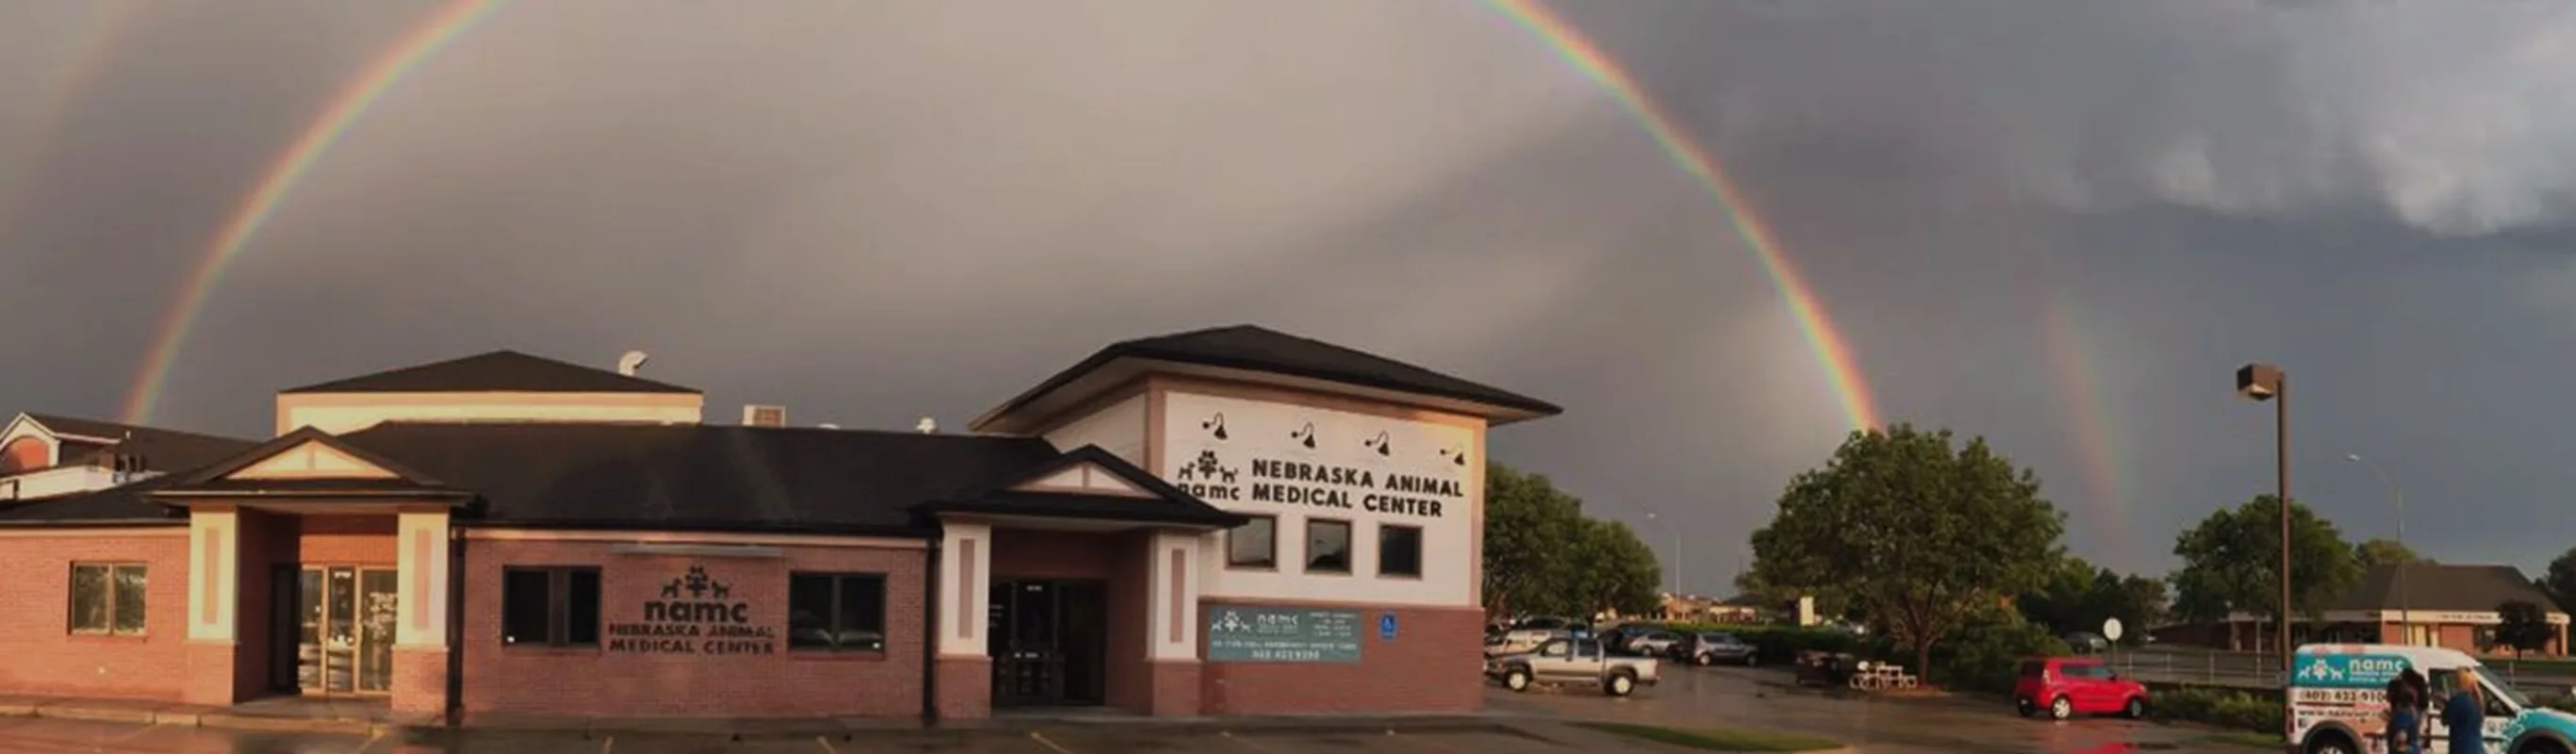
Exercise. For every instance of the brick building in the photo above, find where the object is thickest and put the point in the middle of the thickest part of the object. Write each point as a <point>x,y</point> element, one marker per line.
<point>1226,521</point>
<point>2424,604</point>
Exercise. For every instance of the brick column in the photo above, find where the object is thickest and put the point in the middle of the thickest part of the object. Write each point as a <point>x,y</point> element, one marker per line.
<point>420,612</point>
<point>962,594</point>
<point>1171,626</point>
<point>214,604</point>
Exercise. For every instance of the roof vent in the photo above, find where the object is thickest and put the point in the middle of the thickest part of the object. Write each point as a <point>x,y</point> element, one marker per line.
<point>633,360</point>
<point>756,415</point>
<point>927,426</point>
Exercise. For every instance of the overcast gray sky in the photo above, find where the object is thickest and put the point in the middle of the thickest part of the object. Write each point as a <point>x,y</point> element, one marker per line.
<point>2059,225</point>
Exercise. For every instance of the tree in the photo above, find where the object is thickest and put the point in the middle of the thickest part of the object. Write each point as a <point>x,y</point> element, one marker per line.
<point>2231,562</point>
<point>2141,604</point>
<point>2559,582</point>
<point>2064,600</point>
<point>1918,530</point>
<point>2379,552</point>
<point>2524,627</point>
<point>1527,523</point>
<point>1613,570</point>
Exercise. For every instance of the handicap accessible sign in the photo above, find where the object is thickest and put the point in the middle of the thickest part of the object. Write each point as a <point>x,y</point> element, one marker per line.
<point>1386,627</point>
<point>2350,671</point>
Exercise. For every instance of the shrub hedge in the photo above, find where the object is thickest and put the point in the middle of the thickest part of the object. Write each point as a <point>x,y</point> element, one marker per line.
<point>2226,708</point>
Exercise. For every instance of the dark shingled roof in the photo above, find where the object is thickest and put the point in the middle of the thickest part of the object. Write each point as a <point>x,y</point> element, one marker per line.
<point>495,372</point>
<point>161,449</point>
<point>1171,505</point>
<point>700,476</point>
<point>125,505</point>
<point>2444,587</point>
<point>1255,348</point>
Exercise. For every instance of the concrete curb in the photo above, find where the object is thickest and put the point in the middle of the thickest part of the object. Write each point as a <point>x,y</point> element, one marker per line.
<point>145,713</point>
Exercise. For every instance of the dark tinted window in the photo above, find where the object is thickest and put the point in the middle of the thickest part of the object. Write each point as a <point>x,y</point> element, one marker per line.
<point>550,606</point>
<point>2034,668</point>
<point>1253,545</point>
<point>836,612</point>
<point>1399,551</point>
<point>1328,546</point>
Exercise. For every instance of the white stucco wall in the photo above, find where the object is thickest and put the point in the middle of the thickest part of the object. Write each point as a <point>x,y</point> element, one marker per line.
<point>1118,428</point>
<point>1265,451</point>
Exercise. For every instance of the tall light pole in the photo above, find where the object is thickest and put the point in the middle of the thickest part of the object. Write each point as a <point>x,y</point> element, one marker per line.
<point>2405,616</point>
<point>1677,556</point>
<point>2265,382</point>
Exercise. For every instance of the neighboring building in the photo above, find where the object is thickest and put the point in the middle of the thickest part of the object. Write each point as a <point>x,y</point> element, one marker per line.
<point>1226,521</point>
<point>2434,604</point>
<point>43,455</point>
<point>1694,608</point>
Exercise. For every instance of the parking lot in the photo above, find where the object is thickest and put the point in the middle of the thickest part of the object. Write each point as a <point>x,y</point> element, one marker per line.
<point>51,736</point>
<point>1766,698</point>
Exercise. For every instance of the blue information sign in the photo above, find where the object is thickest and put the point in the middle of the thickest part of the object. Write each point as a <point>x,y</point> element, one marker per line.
<point>1386,626</point>
<point>1282,634</point>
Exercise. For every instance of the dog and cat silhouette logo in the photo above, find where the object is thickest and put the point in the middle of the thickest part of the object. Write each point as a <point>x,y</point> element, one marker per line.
<point>698,584</point>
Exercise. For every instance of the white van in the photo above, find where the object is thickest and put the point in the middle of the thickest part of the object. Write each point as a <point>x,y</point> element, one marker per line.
<point>2339,702</point>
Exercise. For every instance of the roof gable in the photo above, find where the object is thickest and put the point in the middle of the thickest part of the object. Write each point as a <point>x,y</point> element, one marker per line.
<point>1035,492</point>
<point>1257,349</point>
<point>1082,477</point>
<point>306,454</point>
<point>153,447</point>
<point>495,372</point>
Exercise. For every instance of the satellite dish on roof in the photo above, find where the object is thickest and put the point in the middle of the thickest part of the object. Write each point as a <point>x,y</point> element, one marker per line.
<point>926,426</point>
<point>633,360</point>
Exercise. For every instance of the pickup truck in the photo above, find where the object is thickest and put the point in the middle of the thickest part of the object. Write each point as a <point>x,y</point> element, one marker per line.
<point>1572,661</point>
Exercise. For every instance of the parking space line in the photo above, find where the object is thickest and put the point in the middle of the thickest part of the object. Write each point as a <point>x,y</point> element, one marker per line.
<point>130,735</point>
<point>606,743</point>
<point>1412,739</point>
<point>1042,739</point>
<point>1245,741</point>
<point>827,745</point>
<point>372,738</point>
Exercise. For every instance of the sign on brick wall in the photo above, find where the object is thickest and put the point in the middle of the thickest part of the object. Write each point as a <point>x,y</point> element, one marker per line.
<point>1279,634</point>
<point>693,615</point>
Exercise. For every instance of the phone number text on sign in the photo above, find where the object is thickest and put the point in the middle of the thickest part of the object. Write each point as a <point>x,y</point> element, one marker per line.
<point>2339,696</point>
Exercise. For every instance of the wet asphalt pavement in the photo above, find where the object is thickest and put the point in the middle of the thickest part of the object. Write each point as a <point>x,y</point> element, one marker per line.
<point>1732,697</point>
<point>1688,697</point>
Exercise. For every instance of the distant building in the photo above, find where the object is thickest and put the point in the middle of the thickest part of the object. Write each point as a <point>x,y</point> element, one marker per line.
<point>1694,608</point>
<point>44,455</point>
<point>2434,604</point>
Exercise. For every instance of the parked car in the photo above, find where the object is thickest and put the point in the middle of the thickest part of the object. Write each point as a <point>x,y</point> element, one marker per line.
<point>2068,686</point>
<point>1655,643</point>
<point>2086,642</point>
<point>1715,647</point>
<point>1528,635</point>
<point>1618,636</point>
<point>1572,662</point>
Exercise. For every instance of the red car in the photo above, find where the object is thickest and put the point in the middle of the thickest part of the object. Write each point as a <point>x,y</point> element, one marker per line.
<point>2070,686</point>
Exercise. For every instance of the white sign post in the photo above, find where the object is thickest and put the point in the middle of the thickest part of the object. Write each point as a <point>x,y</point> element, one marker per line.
<point>2111,634</point>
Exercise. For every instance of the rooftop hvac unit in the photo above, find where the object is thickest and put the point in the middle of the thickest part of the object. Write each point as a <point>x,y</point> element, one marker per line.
<point>756,415</point>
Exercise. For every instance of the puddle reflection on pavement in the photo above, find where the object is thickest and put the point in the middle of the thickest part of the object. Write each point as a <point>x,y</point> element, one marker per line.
<point>1763,698</point>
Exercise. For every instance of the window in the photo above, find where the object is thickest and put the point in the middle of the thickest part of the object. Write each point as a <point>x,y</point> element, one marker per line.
<point>836,612</point>
<point>1399,551</point>
<point>1255,544</point>
<point>107,599</point>
<point>1328,546</point>
<point>550,607</point>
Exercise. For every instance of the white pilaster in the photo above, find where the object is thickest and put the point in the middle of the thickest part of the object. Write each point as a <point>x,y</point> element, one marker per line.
<point>964,591</point>
<point>1173,605</point>
<point>421,560</point>
<point>214,578</point>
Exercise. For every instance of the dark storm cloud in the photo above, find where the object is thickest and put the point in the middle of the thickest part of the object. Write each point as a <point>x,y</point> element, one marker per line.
<point>877,211</point>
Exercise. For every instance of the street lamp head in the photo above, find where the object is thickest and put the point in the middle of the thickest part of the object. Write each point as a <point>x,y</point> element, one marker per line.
<point>2352,457</point>
<point>2258,381</point>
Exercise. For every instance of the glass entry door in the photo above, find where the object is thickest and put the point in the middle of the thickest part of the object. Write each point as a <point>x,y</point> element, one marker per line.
<point>1048,640</point>
<point>345,638</point>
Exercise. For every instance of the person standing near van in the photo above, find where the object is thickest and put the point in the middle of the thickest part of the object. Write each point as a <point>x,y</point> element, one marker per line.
<point>2421,690</point>
<point>2405,732</point>
<point>2465,715</point>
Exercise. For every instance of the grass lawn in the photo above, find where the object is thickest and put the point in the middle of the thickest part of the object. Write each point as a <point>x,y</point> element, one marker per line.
<point>1717,739</point>
<point>2245,738</point>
